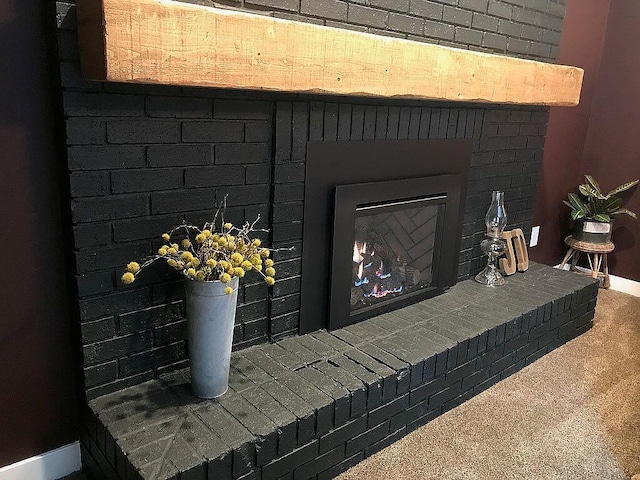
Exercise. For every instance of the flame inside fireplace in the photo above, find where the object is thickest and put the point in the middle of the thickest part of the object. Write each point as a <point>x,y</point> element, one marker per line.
<point>357,256</point>
<point>392,254</point>
<point>371,276</point>
<point>379,292</point>
<point>361,281</point>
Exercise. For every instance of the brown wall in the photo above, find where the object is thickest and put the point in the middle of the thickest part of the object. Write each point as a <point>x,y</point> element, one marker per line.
<point>37,405</point>
<point>600,136</point>
<point>583,35</point>
<point>612,146</point>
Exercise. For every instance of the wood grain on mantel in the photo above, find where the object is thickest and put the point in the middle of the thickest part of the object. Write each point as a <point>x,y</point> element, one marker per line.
<point>173,43</point>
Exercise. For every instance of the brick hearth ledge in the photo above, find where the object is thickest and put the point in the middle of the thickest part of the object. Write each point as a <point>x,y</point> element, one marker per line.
<point>314,405</point>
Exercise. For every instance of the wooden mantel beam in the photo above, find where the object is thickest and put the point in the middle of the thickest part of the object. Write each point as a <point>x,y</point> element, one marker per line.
<point>173,43</point>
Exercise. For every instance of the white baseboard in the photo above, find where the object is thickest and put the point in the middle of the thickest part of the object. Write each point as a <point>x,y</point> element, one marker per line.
<point>625,285</point>
<point>619,284</point>
<point>52,465</point>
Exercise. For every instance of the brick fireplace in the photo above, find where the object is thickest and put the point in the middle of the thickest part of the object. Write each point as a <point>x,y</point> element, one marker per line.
<point>138,196</point>
<point>123,193</point>
<point>141,158</point>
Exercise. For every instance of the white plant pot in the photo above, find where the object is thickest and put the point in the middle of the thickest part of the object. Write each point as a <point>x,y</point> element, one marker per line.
<point>211,315</point>
<point>590,231</point>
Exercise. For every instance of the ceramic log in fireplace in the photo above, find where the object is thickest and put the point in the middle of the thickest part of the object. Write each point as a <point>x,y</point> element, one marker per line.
<point>396,209</point>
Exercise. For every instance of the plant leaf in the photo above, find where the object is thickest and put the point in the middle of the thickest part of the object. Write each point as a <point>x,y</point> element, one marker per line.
<point>576,202</point>
<point>611,204</point>
<point>624,210</point>
<point>591,181</point>
<point>576,214</point>
<point>602,217</point>
<point>589,191</point>
<point>622,188</point>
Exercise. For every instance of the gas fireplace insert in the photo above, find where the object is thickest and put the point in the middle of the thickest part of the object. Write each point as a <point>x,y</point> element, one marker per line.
<point>390,244</point>
<point>382,226</point>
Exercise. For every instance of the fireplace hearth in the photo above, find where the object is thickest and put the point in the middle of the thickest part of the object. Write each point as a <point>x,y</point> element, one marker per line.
<point>310,407</point>
<point>396,212</point>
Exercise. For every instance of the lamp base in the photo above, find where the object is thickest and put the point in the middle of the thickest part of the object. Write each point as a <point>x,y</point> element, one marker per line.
<point>490,277</point>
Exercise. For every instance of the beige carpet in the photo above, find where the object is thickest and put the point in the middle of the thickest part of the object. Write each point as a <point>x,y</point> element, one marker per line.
<point>573,414</point>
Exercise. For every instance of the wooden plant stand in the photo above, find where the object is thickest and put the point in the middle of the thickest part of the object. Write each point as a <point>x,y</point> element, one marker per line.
<point>596,254</point>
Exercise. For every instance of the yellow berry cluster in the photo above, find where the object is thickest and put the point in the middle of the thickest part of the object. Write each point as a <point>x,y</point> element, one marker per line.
<point>206,255</point>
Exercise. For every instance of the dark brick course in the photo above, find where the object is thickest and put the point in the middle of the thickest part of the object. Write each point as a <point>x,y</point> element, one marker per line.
<point>457,16</point>
<point>371,17</point>
<point>143,131</point>
<point>326,9</point>
<point>427,9</point>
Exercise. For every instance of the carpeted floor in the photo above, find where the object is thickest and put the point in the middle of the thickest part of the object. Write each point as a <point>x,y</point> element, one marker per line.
<point>573,414</point>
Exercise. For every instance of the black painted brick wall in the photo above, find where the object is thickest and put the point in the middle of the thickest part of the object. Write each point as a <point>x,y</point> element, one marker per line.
<point>142,158</point>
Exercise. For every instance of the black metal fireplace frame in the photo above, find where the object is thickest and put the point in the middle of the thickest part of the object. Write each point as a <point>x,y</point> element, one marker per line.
<point>433,190</point>
<point>330,164</point>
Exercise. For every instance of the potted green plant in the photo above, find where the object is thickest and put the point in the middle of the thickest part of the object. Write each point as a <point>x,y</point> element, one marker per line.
<point>592,210</point>
<point>212,259</point>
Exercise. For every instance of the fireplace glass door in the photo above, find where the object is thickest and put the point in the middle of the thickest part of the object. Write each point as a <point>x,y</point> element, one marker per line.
<point>389,245</point>
<point>393,250</point>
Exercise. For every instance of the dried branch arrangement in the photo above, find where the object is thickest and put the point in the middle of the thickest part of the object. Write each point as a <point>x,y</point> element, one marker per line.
<point>212,254</point>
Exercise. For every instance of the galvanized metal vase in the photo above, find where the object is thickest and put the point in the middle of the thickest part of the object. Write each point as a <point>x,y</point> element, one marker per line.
<point>211,315</point>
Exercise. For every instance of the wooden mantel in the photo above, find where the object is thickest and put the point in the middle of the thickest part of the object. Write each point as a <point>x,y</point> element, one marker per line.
<point>173,43</point>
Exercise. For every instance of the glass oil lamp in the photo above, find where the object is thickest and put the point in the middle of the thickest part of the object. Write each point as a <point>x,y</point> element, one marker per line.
<point>493,245</point>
